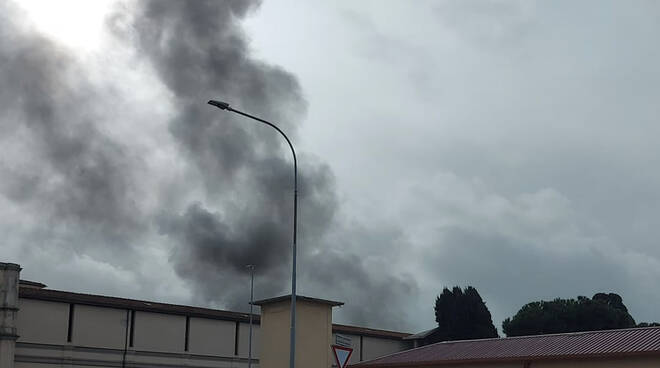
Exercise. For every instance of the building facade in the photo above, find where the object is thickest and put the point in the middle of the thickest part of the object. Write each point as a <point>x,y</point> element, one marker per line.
<point>43,328</point>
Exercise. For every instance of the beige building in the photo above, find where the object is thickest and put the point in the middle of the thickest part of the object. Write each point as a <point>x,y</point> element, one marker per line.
<point>44,328</point>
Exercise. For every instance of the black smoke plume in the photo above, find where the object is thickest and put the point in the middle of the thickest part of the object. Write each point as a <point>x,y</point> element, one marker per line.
<point>235,205</point>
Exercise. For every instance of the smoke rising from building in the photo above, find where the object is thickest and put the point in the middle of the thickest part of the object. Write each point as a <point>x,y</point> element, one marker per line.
<point>235,208</point>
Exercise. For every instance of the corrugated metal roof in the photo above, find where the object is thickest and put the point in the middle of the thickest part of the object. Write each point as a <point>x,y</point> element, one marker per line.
<point>569,345</point>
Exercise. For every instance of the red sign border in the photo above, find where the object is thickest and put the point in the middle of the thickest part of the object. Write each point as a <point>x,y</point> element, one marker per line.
<point>334,351</point>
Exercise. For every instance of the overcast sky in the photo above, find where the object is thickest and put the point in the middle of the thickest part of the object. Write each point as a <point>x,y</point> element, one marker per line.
<point>508,145</point>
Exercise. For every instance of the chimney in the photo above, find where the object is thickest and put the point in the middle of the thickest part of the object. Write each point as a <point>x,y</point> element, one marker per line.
<point>9,273</point>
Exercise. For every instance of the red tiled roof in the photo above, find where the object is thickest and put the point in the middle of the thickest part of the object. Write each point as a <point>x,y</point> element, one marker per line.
<point>610,343</point>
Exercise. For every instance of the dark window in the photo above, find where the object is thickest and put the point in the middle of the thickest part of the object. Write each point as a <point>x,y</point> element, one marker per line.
<point>361,348</point>
<point>236,338</point>
<point>69,332</point>
<point>132,335</point>
<point>185,348</point>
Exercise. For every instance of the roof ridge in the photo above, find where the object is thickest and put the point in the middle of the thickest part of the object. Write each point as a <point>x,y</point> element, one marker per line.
<point>548,335</point>
<point>576,333</point>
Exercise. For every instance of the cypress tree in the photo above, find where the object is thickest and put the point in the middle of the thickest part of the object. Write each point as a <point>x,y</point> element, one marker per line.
<point>461,314</point>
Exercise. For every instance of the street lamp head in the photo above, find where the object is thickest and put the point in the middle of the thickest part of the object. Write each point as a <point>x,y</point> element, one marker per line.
<point>219,104</point>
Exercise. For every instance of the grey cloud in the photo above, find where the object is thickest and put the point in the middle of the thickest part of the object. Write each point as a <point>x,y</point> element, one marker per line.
<point>544,114</point>
<point>511,272</point>
<point>87,194</point>
<point>59,162</point>
<point>199,51</point>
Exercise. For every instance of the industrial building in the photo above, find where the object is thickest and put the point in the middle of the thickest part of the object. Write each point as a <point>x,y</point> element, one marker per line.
<point>44,328</point>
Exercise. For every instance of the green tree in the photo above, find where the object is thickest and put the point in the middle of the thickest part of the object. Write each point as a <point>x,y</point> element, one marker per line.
<point>462,315</point>
<point>601,312</point>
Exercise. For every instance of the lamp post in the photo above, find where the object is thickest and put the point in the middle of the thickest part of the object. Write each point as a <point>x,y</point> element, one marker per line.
<point>292,348</point>
<point>251,268</point>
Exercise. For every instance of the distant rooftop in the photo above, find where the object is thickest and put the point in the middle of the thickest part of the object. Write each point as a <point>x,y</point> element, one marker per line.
<point>298,298</point>
<point>592,344</point>
<point>366,331</point>
<point>420,335</point>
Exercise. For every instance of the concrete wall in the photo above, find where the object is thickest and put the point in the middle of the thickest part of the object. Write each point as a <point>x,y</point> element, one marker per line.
<point>9,276</point>
<point>211,337</point>
<point>275,330</point>
<point>159,332</point>
<point>243,338</point>
<point>42,322</point>
<point>99,327</point>
<point>313,335</point>
<point>98,336</point>
<point>376,347</point>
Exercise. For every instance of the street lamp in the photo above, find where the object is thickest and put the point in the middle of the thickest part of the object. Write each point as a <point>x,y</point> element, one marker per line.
<point>292,348</point>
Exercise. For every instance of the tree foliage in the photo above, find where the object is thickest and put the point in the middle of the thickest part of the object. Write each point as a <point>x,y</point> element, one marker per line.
<point>601,312</point>
<point>462,315</point>
<point>648,324</point>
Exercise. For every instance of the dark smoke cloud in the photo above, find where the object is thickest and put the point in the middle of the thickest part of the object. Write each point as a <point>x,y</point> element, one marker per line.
<point>56,159</point>
<point>199,51</point>
<point>88,189</point>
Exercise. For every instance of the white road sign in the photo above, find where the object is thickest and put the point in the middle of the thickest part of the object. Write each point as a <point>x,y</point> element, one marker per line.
<point>342,355</point>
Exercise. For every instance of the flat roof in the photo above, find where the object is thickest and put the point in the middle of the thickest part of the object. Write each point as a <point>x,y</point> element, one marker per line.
<point>576,345</point>
<point>298,298</point>
<point>133,304</point>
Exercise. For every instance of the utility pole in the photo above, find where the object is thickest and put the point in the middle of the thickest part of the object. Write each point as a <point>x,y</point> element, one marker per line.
<point>251,268</point>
